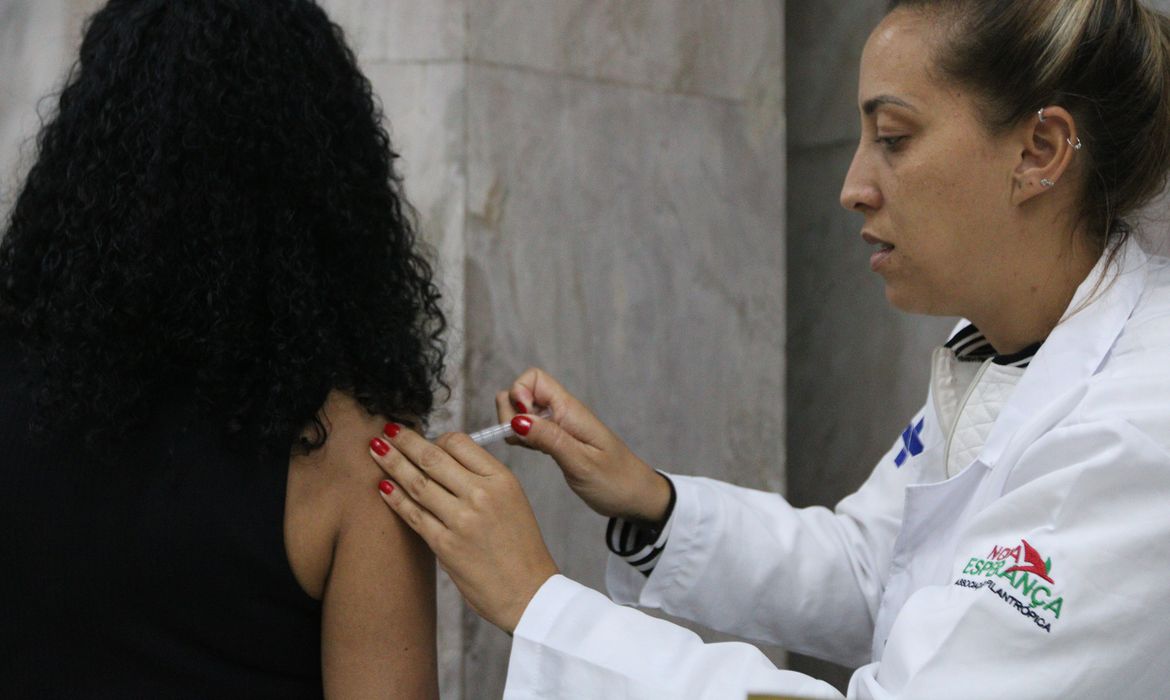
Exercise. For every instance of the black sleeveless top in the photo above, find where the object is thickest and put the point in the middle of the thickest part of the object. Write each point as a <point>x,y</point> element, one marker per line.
<point>165,576</point>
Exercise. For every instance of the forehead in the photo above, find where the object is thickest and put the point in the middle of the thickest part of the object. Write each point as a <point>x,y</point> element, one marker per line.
<point>897,59</point>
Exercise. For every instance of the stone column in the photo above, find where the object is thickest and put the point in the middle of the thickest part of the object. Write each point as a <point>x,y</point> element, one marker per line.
<point>625,232</point>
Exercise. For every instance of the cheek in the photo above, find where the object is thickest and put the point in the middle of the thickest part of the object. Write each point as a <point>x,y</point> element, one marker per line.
<point>940,181</point>
<point>920,179</point>
<point>943,205</point>
<point>939,239</point>
<point>927,202</point>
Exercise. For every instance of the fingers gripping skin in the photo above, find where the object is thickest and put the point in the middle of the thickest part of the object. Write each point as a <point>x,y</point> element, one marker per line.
<point>418,518</point>
<point>430,480</point>
<point>472,512</point>
<point>597,465</point>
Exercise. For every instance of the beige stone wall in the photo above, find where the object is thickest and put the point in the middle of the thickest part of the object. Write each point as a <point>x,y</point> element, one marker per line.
<point>626,232</point>
<point>37,45</point>
<point>604,181</point>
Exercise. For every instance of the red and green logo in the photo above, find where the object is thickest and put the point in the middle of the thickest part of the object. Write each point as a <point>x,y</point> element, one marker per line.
<point>1030,588</point>
<point>1034,563</point>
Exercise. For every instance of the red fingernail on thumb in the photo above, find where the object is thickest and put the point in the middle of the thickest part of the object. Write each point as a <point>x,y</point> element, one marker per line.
<point>377,445</point>
<point>521,424</point>
<point>386,487</point>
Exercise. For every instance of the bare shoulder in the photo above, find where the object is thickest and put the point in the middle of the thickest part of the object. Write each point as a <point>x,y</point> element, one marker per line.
<point>373,575</point>
<point>318,499</point>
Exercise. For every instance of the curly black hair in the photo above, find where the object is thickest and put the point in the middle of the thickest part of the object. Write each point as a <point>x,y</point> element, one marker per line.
<point>214,209</point>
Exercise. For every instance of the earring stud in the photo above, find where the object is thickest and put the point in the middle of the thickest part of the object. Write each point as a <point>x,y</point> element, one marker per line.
<point>1040,113</point>
<point>1047,183</point>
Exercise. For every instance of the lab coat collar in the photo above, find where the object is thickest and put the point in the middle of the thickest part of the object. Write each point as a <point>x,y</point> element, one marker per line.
<point>1077,347</point>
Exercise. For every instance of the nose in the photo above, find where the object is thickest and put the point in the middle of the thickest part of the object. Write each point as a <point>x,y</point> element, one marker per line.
<point>859,192</point>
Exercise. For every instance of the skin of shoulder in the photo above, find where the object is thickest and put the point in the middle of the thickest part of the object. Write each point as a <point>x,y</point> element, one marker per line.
<point>374,576</point>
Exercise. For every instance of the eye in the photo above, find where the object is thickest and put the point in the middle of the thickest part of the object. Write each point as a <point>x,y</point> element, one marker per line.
<point>890,143</point>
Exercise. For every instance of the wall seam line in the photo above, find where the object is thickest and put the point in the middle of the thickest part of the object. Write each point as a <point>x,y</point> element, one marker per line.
<point>600,80</point>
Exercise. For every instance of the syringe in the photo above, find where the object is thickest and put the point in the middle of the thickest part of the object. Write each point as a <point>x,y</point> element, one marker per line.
<point>497,433</point>
<point>503,431</point>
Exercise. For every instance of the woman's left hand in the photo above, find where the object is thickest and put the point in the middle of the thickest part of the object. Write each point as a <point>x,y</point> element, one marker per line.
<point>472,512</point>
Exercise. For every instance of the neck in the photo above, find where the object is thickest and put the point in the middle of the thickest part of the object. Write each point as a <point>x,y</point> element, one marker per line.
<point>1030,302</point>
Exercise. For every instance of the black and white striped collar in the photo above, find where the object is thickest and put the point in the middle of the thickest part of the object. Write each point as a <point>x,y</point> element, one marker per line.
<point>970,345</point>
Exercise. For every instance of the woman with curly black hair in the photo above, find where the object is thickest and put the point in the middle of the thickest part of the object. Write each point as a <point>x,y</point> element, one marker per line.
<point>195,289</point>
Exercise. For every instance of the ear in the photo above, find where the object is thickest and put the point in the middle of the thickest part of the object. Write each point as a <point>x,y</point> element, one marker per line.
<point>1047,141</point>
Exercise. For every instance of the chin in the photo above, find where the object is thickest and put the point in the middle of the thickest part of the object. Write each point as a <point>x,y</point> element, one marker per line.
<point>912,301</point>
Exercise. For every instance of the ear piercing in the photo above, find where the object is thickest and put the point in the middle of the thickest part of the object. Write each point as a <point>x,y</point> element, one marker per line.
<point>1045,182</point>
<point>1076,146</point>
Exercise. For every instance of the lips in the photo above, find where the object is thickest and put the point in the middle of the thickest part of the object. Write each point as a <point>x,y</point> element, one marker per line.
<point>885,249</point>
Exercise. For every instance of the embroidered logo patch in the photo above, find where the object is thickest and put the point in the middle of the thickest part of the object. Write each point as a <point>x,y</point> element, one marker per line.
<point>911,442</point>
<point>1021,577</point>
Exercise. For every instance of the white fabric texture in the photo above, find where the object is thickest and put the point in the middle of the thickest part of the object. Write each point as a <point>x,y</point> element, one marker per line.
<point>977,415</point>
<point>569,622</point>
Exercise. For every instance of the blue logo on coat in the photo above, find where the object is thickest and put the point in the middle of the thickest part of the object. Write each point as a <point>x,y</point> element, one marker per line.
<point>911,443</point>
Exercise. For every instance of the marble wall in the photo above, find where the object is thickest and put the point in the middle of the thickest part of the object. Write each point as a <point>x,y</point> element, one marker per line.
<point>625,232</point>
<point>603,182</point>
<point>37,44</point>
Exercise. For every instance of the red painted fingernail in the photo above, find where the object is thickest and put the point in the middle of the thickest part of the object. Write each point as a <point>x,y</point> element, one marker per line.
<point>392,429</point>
<point>377,445</point>
<point>386,487</point>
<point>521,424</point>
<point>521,407</point>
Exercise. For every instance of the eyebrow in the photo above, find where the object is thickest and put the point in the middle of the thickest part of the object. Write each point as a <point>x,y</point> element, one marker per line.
<point>871,105</point>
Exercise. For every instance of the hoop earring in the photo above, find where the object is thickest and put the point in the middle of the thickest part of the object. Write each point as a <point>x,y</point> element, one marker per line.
<point>1040,113</point>
<point>1047,183</point>
<point>1076,146</point>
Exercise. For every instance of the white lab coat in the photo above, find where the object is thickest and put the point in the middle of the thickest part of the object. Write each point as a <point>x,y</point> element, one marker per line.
<point>912,576</point>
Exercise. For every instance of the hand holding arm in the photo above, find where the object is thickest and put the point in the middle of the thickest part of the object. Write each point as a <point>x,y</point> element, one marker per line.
<point>471,511</point>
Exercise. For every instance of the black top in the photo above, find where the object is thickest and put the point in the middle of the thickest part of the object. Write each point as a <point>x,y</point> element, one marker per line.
<point>165,576</point>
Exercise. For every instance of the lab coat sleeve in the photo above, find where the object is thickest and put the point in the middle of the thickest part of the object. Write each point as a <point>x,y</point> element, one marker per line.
<point>1083,615</point>
<point>746,562</point>
<point>573,642</point>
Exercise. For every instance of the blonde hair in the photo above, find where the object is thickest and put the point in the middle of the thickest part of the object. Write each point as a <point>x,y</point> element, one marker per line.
<point>1106,61</point>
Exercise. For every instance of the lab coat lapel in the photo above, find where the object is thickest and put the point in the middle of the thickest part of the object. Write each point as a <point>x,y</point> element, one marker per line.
<point>1076,348</point>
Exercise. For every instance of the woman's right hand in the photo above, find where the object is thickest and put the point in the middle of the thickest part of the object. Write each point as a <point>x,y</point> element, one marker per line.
<point>597,465</point>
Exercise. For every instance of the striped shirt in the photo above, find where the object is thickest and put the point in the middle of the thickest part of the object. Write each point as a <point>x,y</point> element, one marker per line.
<point>641,544</point>
<point>970,345</point>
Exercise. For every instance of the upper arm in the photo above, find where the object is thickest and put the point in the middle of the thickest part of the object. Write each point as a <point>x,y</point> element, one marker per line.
<point>378,610</point>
